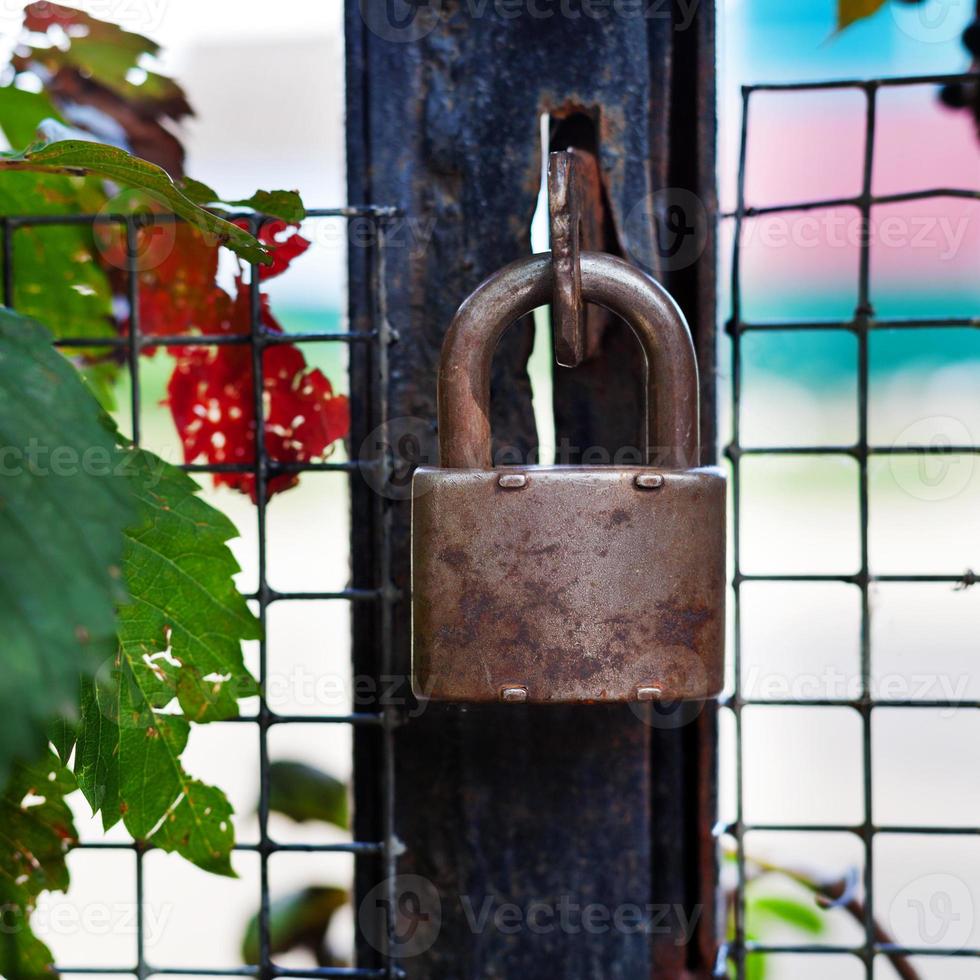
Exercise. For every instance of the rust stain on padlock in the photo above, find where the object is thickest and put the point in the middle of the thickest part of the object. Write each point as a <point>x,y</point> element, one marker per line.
<point>627,594</point>
<point>560,584</point>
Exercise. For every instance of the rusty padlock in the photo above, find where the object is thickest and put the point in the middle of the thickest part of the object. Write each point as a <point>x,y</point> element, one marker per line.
<point>551,584</point>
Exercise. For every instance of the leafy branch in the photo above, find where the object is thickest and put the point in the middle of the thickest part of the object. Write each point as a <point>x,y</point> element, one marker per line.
<point>124,625</point>
<point>828,894</point>
<point>80,158</point>
<point>75,278</point>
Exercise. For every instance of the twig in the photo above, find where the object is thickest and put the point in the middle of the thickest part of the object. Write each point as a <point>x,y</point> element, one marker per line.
<point>839,894</point>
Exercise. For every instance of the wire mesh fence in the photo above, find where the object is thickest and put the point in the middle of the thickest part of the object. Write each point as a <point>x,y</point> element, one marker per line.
<point>877,948</point>
<point>371,720</point>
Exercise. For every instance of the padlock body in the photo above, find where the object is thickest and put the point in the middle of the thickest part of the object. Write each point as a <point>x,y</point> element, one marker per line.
<point>579,586</point>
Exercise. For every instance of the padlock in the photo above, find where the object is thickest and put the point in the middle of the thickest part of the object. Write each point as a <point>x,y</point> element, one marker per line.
<point>568,584</point>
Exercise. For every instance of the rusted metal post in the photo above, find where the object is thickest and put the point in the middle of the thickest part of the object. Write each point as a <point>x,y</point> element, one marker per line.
<point>509,808</point>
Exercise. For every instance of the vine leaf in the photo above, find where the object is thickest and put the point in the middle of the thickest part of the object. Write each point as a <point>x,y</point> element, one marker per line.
<point>299,920</point>
<point>57,278</point>
<point>63,509</point>
<point>287,205</point>
<point>851,11</point>
<point>36,830</point>
<point>107,72</point>
<point>179,660</point>
<point>303,792</point>
<point>79,157</point>
<point>211,397</point>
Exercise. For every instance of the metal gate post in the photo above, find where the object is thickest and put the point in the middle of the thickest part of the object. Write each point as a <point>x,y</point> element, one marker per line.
<point>508,805</point>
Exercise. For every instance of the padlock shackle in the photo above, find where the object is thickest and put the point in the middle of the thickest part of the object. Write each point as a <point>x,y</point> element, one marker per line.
<point>672,407</point>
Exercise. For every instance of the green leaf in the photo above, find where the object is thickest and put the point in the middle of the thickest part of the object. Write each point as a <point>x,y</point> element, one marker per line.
<point>302,792</point>
<point>199,827</point>
<point>851,11</point>
<point>36,830</point>
<point>297,920</point>
<point>181,576</point>
<point>287,205</point>
<point>179,647</point>
<point>756,966</point>
<point>199,192</point>
<point>57,277</point>
<point>106,55</point>
<point>63,509</point>
<point>21,112</point>
<point>85,157</point>
<point>799,915</point>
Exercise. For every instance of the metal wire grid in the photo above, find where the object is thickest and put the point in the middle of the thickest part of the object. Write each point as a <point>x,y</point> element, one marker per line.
<point>367,377</point>
<point>861,325</point>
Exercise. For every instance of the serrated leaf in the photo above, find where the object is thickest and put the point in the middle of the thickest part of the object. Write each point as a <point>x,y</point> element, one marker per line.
<point>86,157</point>
<point>199,827</point>
<point>179,647</point>
<point>302,792</point>
<point>62,514</point>
<point>851,11</point>
<point>181,576</point>
<point>287,205</point>
<point>36,831</point>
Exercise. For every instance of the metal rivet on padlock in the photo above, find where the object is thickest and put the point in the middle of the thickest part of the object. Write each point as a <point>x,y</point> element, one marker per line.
<point>592,583</point>
<point>649,481</point>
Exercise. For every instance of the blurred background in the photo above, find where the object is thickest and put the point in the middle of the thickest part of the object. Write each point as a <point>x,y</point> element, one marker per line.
<point>267,85</point>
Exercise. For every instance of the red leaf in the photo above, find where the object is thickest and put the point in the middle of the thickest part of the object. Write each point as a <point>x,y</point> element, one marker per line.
<point>285,247</point>
<point>40,16</point>
<point>211,397</point>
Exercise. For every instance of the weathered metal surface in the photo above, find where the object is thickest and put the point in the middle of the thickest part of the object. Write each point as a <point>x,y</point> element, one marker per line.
<point>504,800</point>
<point>566,205</point>
<point>578,586</point>
<point>670,428</point>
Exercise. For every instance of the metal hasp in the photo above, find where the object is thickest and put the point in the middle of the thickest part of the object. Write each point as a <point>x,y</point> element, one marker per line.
<point>567,191</point>
<point>574,584</point>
